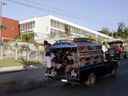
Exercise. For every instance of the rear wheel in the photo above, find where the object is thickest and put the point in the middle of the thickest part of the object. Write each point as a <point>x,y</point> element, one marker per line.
<point>91,80</point>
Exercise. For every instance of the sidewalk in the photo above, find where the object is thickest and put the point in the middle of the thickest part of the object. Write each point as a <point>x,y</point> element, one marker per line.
<point>11,69</point>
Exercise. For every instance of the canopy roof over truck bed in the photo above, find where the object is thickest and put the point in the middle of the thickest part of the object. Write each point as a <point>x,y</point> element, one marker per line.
<point>73,44</point>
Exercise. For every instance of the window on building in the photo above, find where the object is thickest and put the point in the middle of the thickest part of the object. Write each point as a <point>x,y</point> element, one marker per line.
<point>27,26</point>
<point>52,23</point>
<point>21,27</point>
<point>67,30</point>
<point>33,24</point>
<point>57,24</point>
<point>61,26</point>
<point>71,29</point>
<point>52,33</point>
<point>57,33</point>
<point>75,30</point>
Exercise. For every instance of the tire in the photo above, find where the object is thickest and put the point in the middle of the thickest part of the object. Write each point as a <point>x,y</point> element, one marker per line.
<point>91,80</point>
<point>115,72</point>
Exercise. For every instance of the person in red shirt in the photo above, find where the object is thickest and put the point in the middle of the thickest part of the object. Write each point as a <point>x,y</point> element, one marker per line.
<point>119,51</point>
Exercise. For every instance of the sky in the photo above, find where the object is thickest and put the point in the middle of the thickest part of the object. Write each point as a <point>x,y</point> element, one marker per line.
<point>93,14</point>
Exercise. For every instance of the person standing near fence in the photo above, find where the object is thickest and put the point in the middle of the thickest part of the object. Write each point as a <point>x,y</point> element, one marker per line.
<point>46,45</point>
<point>48,60</point>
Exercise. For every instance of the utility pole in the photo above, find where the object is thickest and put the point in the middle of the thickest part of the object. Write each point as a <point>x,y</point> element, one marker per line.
<point>2,3</point>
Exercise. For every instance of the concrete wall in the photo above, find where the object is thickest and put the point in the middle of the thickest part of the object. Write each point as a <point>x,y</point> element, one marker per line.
<point>42,28</point>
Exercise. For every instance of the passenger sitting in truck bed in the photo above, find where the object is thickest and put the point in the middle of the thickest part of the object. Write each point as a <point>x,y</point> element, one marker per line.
<point>69,64</point>
<point>75,70</point>
<point>84,61</point>
<point>57,63</point>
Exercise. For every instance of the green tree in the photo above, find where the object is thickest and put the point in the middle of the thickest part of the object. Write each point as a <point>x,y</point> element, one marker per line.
<point>27,37</point>
<point>125,33</point>
<point>105,30</point>
<point>120,29</point>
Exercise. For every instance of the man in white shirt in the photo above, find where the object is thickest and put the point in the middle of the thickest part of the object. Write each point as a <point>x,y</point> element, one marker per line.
<point>48,60</point>
<point>104,49</point>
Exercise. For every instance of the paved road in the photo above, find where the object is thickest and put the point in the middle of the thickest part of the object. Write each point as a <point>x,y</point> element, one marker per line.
<point>23,75</point>
<point>105,87</point>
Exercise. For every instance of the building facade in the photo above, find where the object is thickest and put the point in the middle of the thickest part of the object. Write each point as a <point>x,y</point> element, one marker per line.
<point>53,28</point>
<point>9,29</point>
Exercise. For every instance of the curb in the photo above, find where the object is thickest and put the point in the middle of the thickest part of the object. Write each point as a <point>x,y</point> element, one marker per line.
<point>11,69</point>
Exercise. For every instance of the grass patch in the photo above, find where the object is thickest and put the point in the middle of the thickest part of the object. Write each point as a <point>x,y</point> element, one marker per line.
<point>13,62</point>
<point>9,62</point>
<point>29,62</point>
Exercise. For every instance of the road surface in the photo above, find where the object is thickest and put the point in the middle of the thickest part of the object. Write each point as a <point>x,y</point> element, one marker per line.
<point>104,87</point>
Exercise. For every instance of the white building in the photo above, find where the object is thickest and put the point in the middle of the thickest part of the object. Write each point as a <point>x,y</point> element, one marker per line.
<point>53,28</point>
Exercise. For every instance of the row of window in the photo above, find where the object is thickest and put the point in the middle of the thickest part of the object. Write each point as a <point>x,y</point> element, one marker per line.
<point>57,24</point>
<point>57,33</point>
<point>27,26</point>
<point>67,28</point>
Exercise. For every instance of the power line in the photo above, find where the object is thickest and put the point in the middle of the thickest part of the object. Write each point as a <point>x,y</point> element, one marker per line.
<point>39,3</point>
<point>30,5</point>
<point>39,8</point>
